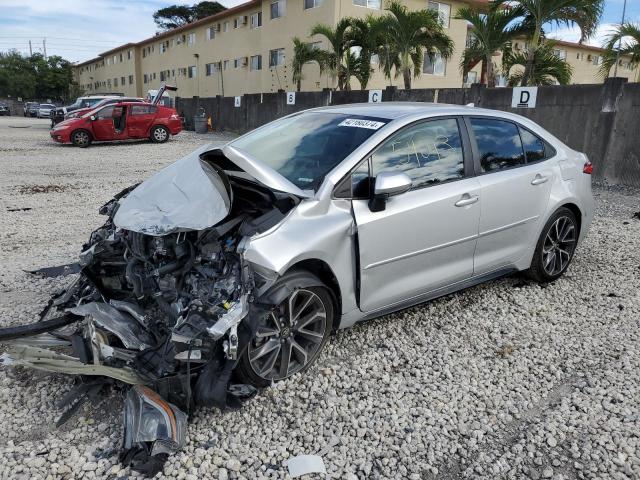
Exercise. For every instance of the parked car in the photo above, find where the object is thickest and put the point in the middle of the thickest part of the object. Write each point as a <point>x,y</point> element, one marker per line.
<point>27,106</point>
<point>106,101</point>
<point>231,267</point>
<point>119,121</point>
<point>4,109</point>
<point>32,111</point>
<point>44,110</point>
<point>60,113</point>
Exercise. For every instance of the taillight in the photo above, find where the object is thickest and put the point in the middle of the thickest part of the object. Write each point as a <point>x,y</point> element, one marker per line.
<point>587,168</point>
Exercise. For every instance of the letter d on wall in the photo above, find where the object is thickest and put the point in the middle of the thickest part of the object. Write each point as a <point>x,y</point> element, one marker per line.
<point>524,97</point>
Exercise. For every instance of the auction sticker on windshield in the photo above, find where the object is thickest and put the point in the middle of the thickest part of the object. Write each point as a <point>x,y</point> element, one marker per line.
<point>359,123</point>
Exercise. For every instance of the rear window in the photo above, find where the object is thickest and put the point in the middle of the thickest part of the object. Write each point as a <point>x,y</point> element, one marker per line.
<point>499,144</point>
<point>142,109</point>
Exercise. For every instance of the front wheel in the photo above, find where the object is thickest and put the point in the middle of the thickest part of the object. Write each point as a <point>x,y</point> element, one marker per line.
<point>159,134</point>
<point>289,339</point>
<point>555,247</point>
<point>81,138</point>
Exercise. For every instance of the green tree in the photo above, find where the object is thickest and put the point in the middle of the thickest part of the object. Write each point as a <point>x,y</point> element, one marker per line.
<point>304,53</point>
<point>340,43</point>
<point>409,36</point>
<point>175,16</point>
<point>549,67</point>
<point>365,37</point>
<point>538,13</point>
<point>492,30</point>
<point>17,76</point>
<point>623,42</point>
<point>35,77</point>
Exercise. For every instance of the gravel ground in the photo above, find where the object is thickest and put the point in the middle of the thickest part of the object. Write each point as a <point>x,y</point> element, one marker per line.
<point>506,380</point>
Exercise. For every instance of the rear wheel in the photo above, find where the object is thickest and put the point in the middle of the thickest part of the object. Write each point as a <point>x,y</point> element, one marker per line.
<point>289,339</point>
<point>81,138</point>
<point>159,134</point>
<point>556,246</point>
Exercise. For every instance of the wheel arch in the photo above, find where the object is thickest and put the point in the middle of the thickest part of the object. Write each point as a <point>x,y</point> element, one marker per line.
<point>576,212</point>
<point>323,271</point>
<point>81,129</point>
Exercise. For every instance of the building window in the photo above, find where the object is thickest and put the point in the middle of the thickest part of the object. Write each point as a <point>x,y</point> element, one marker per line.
<point>437,66</point>
<point>225,27</point>
<point>122,81</point>
<point>191,39</point>
<point>120,56</point>
<point>182,72</point>
<point>256,20</point>
<point>129,55</point>
<point>312,4</point>
<point>561,54</point>
<point>130,79</point>
<point>211,33</point>
<point>472,77</point>
<point>191,73</point>
<point>162,76</point>
<point>276,57</point>
<point>154,75</point>
<point>210,69</point>
<point>444,9</point>
<point>144,53</point>
<point>108,61</point>
<point>145,78</point>
<point>115,59</point>
<point>277,9</point>
<point>115,82</point>
<point>226,64</point>
<point>256,62</point>
<point>162,48</point>
<point>374,4</point>
<point>597,60</point>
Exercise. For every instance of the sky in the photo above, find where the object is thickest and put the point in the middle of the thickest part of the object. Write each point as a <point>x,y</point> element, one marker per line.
<point>79,30</point>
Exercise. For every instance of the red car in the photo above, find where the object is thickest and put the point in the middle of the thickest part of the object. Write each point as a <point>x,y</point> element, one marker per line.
<point>120,121</point>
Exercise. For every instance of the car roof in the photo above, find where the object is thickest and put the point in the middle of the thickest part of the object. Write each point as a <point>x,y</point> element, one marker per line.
<point>394,110</point>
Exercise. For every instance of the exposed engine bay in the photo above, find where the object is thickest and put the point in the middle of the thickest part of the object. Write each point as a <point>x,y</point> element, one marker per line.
<point>163,305</point>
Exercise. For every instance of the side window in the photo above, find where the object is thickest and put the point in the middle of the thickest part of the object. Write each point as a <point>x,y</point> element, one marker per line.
<point>429,152</point>
<point>106,112</point>
<point>533,146</point>
<point>498,143</point>
<point>142,109</point>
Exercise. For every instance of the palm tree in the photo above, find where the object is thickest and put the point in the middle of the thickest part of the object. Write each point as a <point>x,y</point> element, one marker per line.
<point>363,38</point>
<point>304,53</point>
<point>624,41</point>
<point>549,67</point>
<point>339,42</point>
<point>409,35</point>
<point>537,13</point>
<point>492,30</point>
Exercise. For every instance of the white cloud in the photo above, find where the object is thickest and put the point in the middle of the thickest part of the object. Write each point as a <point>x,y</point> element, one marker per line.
<point>572,34</point>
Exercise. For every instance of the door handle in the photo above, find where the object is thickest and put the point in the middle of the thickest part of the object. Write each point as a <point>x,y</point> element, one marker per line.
<point>539,179</point>
<point>467,200</point>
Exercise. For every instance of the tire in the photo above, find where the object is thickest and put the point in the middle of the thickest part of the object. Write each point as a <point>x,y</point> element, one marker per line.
<point>555,247</point>
<point>316,334</point>
<point>159,134</point>
<point>81,138</point>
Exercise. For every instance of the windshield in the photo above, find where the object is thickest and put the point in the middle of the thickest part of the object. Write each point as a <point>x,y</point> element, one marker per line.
<point>305,147</point>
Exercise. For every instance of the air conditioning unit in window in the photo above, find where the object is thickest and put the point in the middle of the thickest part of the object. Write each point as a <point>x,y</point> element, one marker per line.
<point>217,28</point>
<point>242,20</point>
<point>244,61</point>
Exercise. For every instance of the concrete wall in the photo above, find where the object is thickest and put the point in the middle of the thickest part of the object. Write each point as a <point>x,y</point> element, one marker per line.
<point>602,121</point>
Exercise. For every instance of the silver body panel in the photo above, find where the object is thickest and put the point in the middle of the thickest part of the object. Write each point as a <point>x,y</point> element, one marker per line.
<point>427,242</point>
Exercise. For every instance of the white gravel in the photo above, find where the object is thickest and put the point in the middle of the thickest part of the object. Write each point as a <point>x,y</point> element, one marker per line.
<point>505,380</point>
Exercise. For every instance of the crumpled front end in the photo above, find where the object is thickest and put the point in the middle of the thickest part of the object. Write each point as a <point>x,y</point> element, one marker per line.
<point>162,308</point>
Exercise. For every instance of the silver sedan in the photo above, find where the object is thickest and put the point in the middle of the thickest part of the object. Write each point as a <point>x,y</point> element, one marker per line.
<point>230,268</point>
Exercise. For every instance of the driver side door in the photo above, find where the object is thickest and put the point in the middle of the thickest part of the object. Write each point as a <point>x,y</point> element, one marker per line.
<point>424,239</point>
<point>102,126</point>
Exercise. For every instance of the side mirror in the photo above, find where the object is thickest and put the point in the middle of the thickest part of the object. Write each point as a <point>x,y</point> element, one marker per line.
<point>388,184</point>
<point>93,118</point>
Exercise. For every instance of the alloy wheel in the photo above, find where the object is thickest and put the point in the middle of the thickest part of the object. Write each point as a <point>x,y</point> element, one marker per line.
<point>160,134</point>
<point>559,245</point>
<point>289,338</point>
<point>81,138</point>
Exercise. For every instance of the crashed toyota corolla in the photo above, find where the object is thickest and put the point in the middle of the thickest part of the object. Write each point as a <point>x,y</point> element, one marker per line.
<point>229,269</point>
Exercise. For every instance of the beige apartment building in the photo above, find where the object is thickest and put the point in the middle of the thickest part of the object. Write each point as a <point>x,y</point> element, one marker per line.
<point>248,49</point>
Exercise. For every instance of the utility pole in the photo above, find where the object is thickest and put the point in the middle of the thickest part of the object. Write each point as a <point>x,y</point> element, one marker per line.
<point>615,69</point>
<point>44,47</point>
<point>30,51</point>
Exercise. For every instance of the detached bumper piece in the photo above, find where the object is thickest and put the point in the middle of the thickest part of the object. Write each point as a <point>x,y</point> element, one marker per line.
<point>153,430</point>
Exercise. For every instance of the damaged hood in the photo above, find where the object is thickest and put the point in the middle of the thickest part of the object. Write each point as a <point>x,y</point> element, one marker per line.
<point>190,195</point>
<point>186,195</point>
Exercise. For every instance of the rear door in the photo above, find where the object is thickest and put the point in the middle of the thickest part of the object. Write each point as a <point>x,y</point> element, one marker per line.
<point>140,119</point>
<point>514,191</point>
<point>426,237</point>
